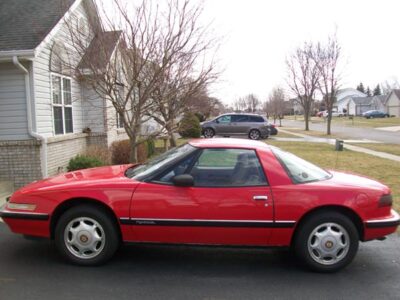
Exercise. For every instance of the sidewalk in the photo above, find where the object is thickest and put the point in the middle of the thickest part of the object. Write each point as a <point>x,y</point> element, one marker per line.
<point>312,139</point>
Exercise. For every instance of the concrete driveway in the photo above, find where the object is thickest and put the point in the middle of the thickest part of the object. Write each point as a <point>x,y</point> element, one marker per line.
<point>33,270</point>
<point>351,132</point>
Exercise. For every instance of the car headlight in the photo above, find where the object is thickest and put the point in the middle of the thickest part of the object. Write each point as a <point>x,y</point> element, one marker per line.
<point>21,206</point>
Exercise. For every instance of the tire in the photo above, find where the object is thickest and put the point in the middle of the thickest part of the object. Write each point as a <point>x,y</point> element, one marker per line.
<point>96,235</point>
<point>208,133</point>
<point>254,134</point>
<point>338,242</point>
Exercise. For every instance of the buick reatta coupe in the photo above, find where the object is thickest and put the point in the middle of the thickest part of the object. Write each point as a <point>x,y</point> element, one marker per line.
<point>232,192</point>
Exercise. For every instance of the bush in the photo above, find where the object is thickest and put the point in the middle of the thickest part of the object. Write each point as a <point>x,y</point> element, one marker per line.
<point>100,152</point>
<point>120,152</point>
<point>200,116</point>
<point>189,126</point>
<point>151,147</point>
<point>80,162</point>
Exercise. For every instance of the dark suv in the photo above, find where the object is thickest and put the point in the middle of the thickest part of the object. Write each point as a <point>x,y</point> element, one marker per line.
<point>252,125</point>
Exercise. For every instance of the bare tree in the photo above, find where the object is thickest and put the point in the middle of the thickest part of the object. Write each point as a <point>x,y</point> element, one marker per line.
<point>240,104</point>
<point>187,75</point>
<point>252,103</point>
<point>276,104</point>
<point>146,65</point>
<point>303,77</point>
<point>327,57</point>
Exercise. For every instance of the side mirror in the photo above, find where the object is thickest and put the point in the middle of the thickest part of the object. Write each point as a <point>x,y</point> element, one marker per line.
<point>183,180</point>
<point>216,121</point>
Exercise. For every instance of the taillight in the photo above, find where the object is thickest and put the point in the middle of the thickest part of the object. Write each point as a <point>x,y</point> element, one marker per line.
<point>385,200</point>
<point>273,125</point>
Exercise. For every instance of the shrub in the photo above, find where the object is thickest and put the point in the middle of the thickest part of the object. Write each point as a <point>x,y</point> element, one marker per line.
<point>200,116</point>
<point>189,126</point>
<point>120,152</point>
<point>83,162</point>
<point>151,147</point>
<point>100,152</point>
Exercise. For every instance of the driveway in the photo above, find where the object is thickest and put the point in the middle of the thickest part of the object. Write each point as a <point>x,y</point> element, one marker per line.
<point>32,270</point>
<point>389,137</point>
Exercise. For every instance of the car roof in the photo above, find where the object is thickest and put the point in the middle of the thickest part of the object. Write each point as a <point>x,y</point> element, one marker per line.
<point>228,143</point>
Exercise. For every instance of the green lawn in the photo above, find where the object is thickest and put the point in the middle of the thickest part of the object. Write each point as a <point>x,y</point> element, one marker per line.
<point>383,170</point>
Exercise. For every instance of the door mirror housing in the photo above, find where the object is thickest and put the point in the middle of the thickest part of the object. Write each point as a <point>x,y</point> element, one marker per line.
<point>183,180</point>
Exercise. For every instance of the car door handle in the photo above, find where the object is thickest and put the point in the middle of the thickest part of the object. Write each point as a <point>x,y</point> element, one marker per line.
<point>260,198</point>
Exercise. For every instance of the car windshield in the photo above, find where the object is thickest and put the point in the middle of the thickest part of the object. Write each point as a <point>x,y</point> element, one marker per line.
<point>299,170</point>
<point>139,172</point>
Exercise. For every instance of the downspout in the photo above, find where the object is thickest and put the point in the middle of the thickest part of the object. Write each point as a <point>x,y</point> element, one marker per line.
<point>32,133</point>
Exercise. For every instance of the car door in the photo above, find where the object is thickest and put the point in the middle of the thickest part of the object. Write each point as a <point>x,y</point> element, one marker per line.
<point>224,125</point>
<point>240,124</point>
<point>230,202</point>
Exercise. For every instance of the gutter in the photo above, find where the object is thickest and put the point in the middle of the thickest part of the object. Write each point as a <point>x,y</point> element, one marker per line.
<point>32,133</point>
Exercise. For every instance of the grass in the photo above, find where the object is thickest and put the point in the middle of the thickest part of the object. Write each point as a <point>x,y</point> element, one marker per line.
<point>388,148</point>
<point>323,155</point>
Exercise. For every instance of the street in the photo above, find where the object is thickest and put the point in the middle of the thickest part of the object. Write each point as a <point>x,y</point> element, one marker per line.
<point>350,132</point>
<point>33,270</point>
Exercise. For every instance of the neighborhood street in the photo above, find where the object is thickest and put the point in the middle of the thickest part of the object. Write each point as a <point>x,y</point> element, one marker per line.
<point>33,270</point>
<point>350,132</point>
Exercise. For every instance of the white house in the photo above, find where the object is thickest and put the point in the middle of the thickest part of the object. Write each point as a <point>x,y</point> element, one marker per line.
<point>393,103</point>
<point>356,106</point>
<point>45,114</point>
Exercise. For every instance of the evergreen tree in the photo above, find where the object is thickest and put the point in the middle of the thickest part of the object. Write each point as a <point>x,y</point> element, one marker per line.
<point>368,92</point>
<point>377,91</point>
<point>361,88</point>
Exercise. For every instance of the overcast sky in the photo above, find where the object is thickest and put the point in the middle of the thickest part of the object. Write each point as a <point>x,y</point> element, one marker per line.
<point>259,34</point>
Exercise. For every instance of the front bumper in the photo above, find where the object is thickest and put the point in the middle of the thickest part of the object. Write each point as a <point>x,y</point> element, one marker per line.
<point>27,223</point>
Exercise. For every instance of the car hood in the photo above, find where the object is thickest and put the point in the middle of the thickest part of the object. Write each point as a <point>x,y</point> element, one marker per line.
<point>78,179</point>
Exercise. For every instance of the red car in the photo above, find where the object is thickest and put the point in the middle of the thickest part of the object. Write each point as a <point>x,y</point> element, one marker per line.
<point>208,191</point>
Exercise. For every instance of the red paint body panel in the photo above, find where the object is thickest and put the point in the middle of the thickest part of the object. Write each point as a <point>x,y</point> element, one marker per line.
<point>129,199</point>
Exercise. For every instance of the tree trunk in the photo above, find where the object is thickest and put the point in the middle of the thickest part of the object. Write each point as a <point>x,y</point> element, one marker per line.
<point>328,125</point>
<point>306,117</point>
<point>133,155</point>
<point>172,141</point>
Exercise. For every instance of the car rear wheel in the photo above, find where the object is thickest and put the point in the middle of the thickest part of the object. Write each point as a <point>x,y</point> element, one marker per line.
<point>86,235</point>
<point>254,134</point>
<point>208,133</point>
<point>327,242</point>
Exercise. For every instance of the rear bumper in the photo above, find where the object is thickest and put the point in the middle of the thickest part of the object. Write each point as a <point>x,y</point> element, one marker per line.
<point>393,221</point>
<point>377,228</point>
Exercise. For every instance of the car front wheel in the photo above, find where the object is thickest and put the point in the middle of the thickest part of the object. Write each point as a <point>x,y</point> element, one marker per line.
<point>86,235</point>
<point>327,242</point>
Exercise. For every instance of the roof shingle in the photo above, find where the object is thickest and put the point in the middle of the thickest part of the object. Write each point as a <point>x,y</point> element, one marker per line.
<point>25,23</point>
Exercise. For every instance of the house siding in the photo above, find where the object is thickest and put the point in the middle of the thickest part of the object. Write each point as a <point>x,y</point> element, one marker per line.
<point>13,116</point>
<point>393,105</point>
<point>42,83</point>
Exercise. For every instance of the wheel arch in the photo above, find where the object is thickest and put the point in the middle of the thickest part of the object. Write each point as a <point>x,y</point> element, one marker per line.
<point>73,202</point>
<point>348,212</point>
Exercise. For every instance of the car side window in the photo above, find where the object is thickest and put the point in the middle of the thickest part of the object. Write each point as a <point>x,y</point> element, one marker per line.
<point>256,119</point>
<point>228,168</point>
<point>179,169</point>
<point>224,119</point>
<point>240,118</point>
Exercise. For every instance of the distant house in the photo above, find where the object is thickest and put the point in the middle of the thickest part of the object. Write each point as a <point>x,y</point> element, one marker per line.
<point>393,103</point>
<point>356,106</point>
<point>45,118</point>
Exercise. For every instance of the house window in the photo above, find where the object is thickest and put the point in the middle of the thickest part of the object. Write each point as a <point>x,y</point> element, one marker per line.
<point>62,104</point>
<point>120,122</point>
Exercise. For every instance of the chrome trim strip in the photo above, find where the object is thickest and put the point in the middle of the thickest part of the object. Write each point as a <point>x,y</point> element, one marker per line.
<point>207,222</point>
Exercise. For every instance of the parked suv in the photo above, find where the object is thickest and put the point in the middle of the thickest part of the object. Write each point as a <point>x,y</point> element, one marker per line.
<point>252,125</point>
